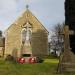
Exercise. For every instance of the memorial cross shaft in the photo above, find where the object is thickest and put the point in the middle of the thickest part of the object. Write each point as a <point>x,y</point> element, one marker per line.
<point>66,33</point>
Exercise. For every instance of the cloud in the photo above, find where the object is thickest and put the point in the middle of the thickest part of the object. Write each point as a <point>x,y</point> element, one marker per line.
<point>49,12</point>
<point>7,9</point>
<point>7,6</point>
<point>1,25</point>
<point>31,1</point>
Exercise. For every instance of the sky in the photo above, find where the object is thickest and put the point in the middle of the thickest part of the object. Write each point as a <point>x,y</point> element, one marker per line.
<point>48,12</point>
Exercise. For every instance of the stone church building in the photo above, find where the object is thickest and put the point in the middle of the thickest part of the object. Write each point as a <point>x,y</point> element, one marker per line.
<point>26,37</point>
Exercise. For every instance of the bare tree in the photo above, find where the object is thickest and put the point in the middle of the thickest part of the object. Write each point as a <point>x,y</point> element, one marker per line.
<point>57,39</point>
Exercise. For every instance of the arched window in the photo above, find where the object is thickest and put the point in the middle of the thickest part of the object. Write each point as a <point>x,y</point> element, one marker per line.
<point>26,33</point>
<point>23,35</point>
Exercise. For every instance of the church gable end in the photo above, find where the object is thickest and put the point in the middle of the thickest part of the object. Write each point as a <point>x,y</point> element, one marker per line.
<point>38,39</point>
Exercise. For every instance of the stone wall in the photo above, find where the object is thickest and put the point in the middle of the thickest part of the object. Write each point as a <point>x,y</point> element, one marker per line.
<point>39,43</point>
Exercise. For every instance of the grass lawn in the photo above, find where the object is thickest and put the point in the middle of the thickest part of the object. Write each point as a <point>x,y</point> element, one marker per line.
<point>48,67</point>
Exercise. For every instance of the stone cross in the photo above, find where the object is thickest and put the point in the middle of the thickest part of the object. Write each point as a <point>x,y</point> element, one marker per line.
<point>26,45</point>
<point>28,30</point>
<point>66,33</point>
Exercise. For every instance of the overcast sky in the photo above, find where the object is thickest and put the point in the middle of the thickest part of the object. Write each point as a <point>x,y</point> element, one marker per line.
<point>48,12</point>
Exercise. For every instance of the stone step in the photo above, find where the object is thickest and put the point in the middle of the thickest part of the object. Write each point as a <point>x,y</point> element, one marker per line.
<point>68,66</point>
<point>70,69</point>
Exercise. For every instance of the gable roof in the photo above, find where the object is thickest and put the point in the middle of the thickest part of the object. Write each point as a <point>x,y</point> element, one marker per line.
<point>27,12</point>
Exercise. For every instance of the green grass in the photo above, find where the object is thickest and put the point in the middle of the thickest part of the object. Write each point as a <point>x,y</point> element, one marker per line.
<point>54,61</point>
<point>49,67</point>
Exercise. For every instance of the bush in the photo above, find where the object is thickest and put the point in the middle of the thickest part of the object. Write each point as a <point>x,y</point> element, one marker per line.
<point>9,58</point>
<point>39,59</point>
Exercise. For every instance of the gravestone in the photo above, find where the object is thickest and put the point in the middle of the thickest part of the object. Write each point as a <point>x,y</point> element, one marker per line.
<point>67,58</point>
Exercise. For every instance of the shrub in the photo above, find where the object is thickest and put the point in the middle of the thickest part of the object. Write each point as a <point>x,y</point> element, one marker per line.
<point>39,59</point>
<point>9,58</point>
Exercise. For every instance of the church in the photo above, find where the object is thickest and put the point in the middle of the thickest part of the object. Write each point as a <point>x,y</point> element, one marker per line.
<point>26,37</point>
